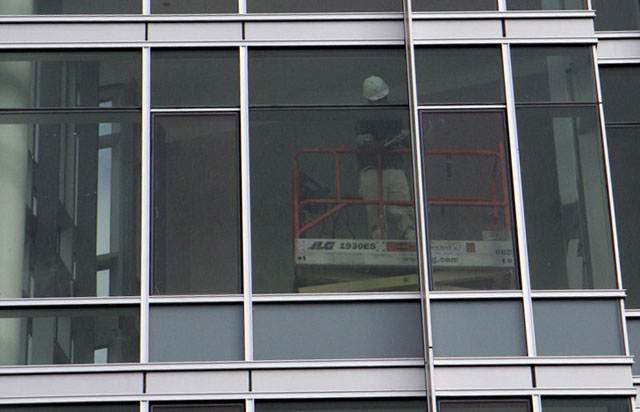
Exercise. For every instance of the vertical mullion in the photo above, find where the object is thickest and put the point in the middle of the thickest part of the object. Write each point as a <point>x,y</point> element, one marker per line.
<point>502,5</point>
<point>146,6</point>
<point>537,403</point>
<point>145,203</point>
<point>242,6</point>
<point>518,196</point>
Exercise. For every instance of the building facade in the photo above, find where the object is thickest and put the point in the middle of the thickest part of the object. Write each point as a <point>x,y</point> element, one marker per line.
<point>297,205</point>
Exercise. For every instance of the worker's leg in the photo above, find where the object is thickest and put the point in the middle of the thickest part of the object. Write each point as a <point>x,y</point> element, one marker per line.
<point>369,191</point>
<point>396,187</point>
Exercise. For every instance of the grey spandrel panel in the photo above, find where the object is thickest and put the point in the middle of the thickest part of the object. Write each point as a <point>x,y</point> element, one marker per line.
<point>569,234</point>
<point>71,79</point>
<point>104,407</point>
<point>325,6</point>
<point>586,404</point>
<point>71,7</point>
<point>478,328</point>
<point>337,331</point>
<point>633,332</point>
<point>621,93</point>
<point>69,335</point>
<point>459,75</point>
<point>616,15</point>
<point>195,78</point>
<point>454,5</point>
<point>195,333</point>
<point>324,76</point>
<point>378,405</point>
<point>484,405</point>
<point>193,6</point>
<point>78,174</point>
<point>546,4</point>
<point>578,327</point>
<point>556,74</point>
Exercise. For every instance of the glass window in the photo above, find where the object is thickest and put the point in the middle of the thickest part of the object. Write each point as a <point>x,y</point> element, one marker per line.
<point>566,208</point>
<point>469,200</point>
<point>546,4</point>
<point>74,335</point>
<point>578,327</point>
<point>331,172</point>
<point>611,404</point>
<point>72,7</point>
<point>478,328</point>
<point>71,79</point>
<point>78,174</point>
<point>633,331</point>
<point>176,333</point>
<point>196,219</point>
<point>324,405</point>
<point>193,6</point>
<point>620,93</point>
<point>305,6</point>
<point>455,5</point>
<point>488,405</point>
<point>553,74</point>
<point>459,75</point>
<point>616,15</point>
<point>337,330</point>
<point>194,78</point>
<point>82,407</point>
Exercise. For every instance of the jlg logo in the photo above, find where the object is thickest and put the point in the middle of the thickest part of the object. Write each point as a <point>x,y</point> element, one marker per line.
<point>319,245</point>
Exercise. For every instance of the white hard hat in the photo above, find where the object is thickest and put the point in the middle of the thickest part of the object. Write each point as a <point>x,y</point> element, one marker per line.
<point>374,88</point>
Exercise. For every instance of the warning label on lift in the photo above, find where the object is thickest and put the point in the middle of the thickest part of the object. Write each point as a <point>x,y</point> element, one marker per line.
<point>374,252</point>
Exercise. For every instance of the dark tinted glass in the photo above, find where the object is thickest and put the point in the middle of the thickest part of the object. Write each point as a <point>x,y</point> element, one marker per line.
<point>459,75</point>
<point>576,404</point>
<point>565,195</point>
<point>378,405</point>
<point>633,331</point>
<point>454,5</point>
<point>621,93</point>
<point>72,7</point>
<point>194,78</point>
<point>624,151</point>
<point>193,6</point>
<point>305,6</point>
<point>492,405</point>
<point>62,336</point>
<point>71,79</point>
<point>468,200</point>
<point>106,407</point>
<point>553,74</point>
<point>196,224</point>
<point>616,15</point>
<point>546,4</point>
<point>79,177</point>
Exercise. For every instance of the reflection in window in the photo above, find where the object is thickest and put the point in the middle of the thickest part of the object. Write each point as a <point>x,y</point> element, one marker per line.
<point>489,405</point>
<point>546,4</point>
<point>193,6</point>
<point>616,15</point>
<point>305,6</point>
<point>581,404</point>
<point>457,5</point>
<point>82,407</point>
<point>72,7</point>
<point>468,201</point>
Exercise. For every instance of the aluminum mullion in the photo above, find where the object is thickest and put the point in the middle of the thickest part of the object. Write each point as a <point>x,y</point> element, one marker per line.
<point>144,406</point>
<point>145,205</point>
<point>518,196</point>
<point>242,7</point>
<point>249,405</point>
<point>146,7</point>
<point>502,5</point>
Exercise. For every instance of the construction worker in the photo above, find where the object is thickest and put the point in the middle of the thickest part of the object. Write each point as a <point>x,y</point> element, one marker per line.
<point>377,136</point>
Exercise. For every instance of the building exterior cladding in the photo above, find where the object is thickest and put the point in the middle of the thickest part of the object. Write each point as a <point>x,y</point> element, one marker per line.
<point>319,206</point>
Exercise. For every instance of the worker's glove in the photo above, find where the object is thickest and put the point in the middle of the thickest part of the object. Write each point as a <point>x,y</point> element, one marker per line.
<point>398,140</point>
<point>363,139</point>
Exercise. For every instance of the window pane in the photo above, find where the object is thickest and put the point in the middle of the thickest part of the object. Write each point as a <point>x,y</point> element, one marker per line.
<point>621,93</point>
<point>586,404</point>
<point>206,78</point>
<point>196,232</point>
<point>578,327</point>
<point>616,15</point>
<point>565,195</point>
<point>337,330</point>
<point>546,4</point>
<point>177,333</point>
<point>193,6</point>
<point>79,177</point>
<point>76,335</point>
<point>553,74</point>
<point>305,6</point>
<point>378,405</point>
<point>459,75</point>
<point>468,200</point>
<point>105,407</point>
<point>624,151</point>
<point>478,328</point>
<point>71,79</point>
<point>72,7</point>
<point>483,406</point>
<point>633,330</point>
<point>454,5</point>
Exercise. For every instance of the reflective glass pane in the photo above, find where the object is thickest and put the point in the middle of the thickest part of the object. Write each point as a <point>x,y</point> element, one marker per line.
<point>73,335</point>
<point>378,405</point>
<point>454,5</point>
<point>83,407</point>
<point>194,78</point>
<point>196,222</point>
<point>546,4</point>
<point>624,151</point>
<point>459,75</point>
<point>582,404</point>
<point>621,93</point>
<point>337,330</point>
<point>469,200</point>
<point>553,74</point>
<point>633,331</point>
<point>193,6</point>
<point>489,405</point>
<point>71,79</point>
<point>565,193</point>
<point>177,333</point>
<point>72,7</point>
<point>616,15</point>
<point>70,193</point>
<point>306,6</point>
